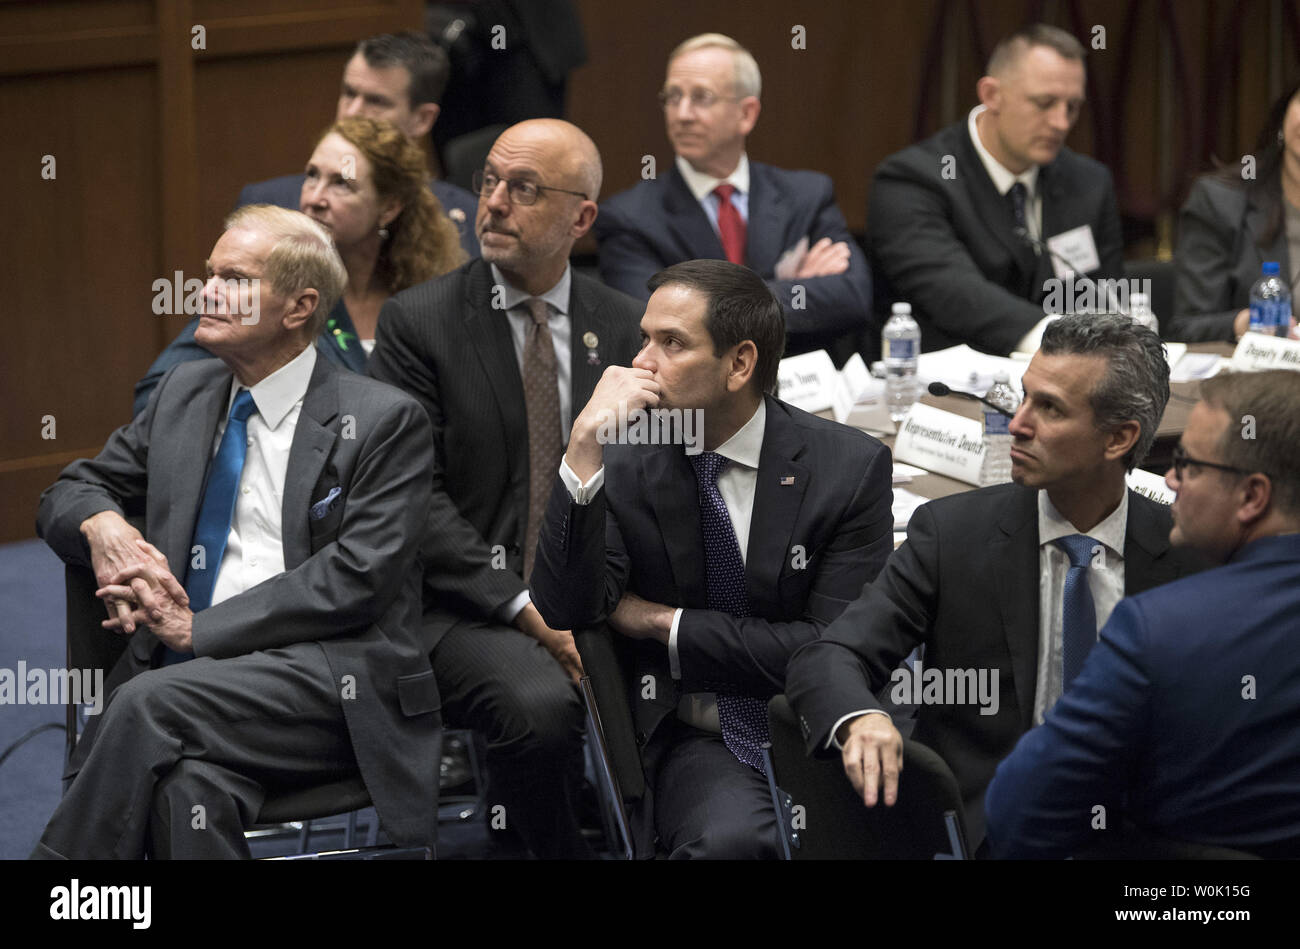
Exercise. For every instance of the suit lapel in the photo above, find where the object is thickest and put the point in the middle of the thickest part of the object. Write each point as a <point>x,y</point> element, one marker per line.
<point>993,207</point>
<point>193,453</point>
<point>778,493</point>
<point>586,315</point>
<point>767,216</point>
<point>669,483</point>
<point>1256,223</point>
<point>1015,549</point>
<point>312,443</point>
<point>687,220</point>
<point>488,330</point>
<point>1145,542</point>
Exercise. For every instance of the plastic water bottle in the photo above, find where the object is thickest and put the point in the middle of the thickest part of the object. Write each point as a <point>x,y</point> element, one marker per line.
<point>996,466</point>
<point>1270,303</point>
<point>900,344</point>
<point>1139,310</point>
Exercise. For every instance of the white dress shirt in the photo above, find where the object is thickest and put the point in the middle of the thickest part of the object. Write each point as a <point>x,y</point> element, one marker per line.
<point>255,544</point>
<point>1105,581</point>
<point>1003,180</point>
<point>736,484</point>
<point>701,185</point>
<point>561,326</point>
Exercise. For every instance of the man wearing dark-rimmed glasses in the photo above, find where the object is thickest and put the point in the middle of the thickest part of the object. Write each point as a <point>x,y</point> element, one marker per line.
<point>1188,707</point>
<point>502,352</point>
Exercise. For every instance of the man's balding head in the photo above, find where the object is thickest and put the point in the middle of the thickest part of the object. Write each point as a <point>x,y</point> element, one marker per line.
<point>530,242</point>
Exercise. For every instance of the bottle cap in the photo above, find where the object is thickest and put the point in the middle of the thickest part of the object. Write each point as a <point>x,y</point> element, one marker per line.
<point>1138,299</point>
<point>902,309</point>
<point>1271,268</point>
<point>1002,376</point>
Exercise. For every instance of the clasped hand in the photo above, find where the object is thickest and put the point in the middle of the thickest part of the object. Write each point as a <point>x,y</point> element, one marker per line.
<point>154,596</point>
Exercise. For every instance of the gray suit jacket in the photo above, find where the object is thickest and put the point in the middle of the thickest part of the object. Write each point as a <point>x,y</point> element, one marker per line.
<point>350,581</point>
<point>1219,258</point>
<point>443,342</point>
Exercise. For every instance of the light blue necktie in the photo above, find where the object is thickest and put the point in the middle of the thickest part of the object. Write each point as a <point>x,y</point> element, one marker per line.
<point>743,718</point>
<point>1078,614</point>
<point>218,507</point>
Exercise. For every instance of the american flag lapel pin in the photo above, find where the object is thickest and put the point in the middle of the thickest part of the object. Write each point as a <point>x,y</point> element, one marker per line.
<point>787,480</point>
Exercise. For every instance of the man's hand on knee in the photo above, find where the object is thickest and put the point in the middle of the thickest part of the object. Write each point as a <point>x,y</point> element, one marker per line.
<point>558,642</point>
<point>872,757</point>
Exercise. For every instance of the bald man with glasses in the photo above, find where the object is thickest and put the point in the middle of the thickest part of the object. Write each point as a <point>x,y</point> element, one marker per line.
<point>502,352</point>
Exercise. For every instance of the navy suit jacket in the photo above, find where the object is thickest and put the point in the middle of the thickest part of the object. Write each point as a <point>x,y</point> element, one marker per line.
<point>285,191</point>
<point>946,243</point>
<point>1163,713</point>
<point>821,528</point>
<point>659,223</point>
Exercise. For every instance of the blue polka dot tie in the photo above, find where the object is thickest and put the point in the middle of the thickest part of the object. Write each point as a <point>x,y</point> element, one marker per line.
<point>1078,614</point>
<point>212,527</point>
<point>743,718</point>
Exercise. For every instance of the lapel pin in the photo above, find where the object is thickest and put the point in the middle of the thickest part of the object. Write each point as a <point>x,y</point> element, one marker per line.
<point>787,480</point>
<point>589,340</point>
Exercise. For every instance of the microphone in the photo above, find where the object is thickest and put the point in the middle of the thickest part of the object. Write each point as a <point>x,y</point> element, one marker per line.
<point>1042,246</point>
<point>939,389</point>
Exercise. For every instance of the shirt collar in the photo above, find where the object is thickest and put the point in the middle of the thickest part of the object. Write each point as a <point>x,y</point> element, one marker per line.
<point>1002,178</point>
<point>702,184</point>
<point>557,296</point>
<point>279,392</point>
<point>1109,533</point>
<point>746,445</point>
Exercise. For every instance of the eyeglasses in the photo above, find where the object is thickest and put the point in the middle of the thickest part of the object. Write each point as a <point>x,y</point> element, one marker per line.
<point>521,190</point>
<point>700,98</point>
<point>1181,460</point>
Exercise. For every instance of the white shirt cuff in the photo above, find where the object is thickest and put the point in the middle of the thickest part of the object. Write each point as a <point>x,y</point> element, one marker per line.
<point>1030,342</point>
<point>834,742</point>
<point>581,493</point>
<point>674,664</point>
<point>510,610</point>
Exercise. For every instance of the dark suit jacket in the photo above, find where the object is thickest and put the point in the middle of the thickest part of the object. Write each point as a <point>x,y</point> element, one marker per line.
<point>947,245</point>
<point>1160,713</point>
<point>813,543</point>
<point>286,192</point>
<point>350,581</point>
<point>337,342</point>
<point>659,223</point>
<point>966,585</point>
<point>444,343</point>
<point>1219,258</point>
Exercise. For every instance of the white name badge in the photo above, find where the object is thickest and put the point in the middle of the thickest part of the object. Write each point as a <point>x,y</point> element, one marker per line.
<point>1150,485</point>
<point>1077,247</point>
<point>1257,351</point>
<point>809,381</point>
<point>941,442</point>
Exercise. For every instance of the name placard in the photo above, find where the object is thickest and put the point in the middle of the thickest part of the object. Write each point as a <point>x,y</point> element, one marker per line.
<point>1150,485</point>
<point>809,381</point>
<point>941,442</point>
<point>1257,351</point>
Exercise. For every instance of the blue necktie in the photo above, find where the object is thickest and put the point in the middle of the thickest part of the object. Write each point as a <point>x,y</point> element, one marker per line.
<point>1078,615</point>
<point>743,718</point>
<point>218,507</point>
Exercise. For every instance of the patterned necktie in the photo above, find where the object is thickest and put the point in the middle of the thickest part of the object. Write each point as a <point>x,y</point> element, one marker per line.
<point>212,528</point>
<point>1019,196</point>
<point>542,403</point>
<point>743,718</point>
<point>1078,614</point>
<point>731,229</point>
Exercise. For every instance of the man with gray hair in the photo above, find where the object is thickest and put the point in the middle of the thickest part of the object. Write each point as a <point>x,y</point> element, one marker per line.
<point>273,610</point>
<point>1187,709</point>
<point>1013,581</point>
<point>969,224</point>
<point>714,203</point>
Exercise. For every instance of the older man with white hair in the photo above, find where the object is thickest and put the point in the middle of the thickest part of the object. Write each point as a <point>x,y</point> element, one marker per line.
<point>273,610</point>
